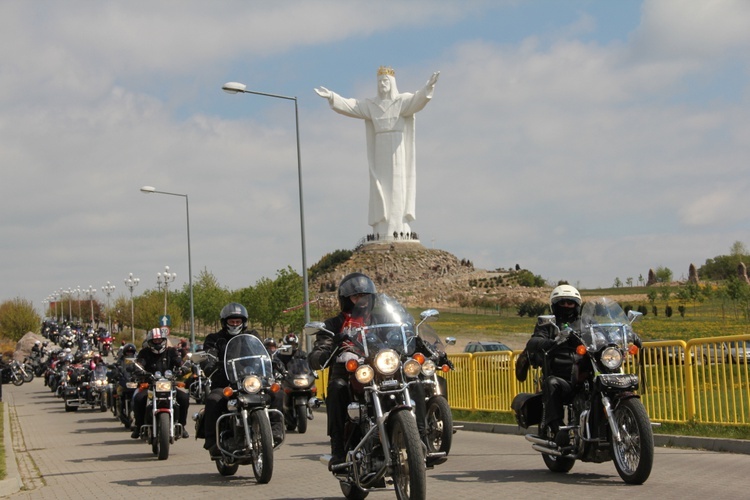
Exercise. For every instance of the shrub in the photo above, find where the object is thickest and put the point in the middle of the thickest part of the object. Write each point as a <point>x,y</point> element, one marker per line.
<point>18,317</point>
<point>531,308</point>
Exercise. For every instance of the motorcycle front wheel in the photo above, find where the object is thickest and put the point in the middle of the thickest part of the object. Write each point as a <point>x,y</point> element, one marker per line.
<point>409,476</point>
<point>161,436</point>
<point>439,425</point>
<point>262,440</point>
<point>353,492</point>
<point>634,452</point>
<point>302,419</point>
<point>17,379</point>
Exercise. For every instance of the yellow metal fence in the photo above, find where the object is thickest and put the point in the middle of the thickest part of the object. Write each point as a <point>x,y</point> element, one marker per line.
<point>703,380</point>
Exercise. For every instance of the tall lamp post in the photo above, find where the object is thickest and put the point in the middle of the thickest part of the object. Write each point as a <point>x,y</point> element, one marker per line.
<point>78,292</point>
<point>69,293</point>
<point>165,279</point>
<point>131,283</point>
<point>149,190</point>
<point>90,294</point>
<point>235,88</point>
<point>108,289</point>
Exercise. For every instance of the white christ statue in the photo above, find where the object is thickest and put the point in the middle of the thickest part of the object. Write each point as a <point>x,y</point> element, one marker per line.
<point>389,124</point>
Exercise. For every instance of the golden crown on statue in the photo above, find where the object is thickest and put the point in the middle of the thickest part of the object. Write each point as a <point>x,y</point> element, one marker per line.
<point>386,70</point>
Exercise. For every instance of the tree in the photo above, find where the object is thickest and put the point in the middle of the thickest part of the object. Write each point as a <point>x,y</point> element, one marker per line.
<point>665,293</point>
<point>629,282</point>
<point>738,249</point>
<point>17,318</point>
<point>209,297</point>
<point>617,283</point>
<point>663,274</point>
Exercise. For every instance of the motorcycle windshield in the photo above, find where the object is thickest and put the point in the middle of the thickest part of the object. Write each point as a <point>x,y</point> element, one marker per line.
<point>604,323</point>
<point>298,366</point>
<point>430,337</point>
<point>100,372</point>
<point>245,355</point>
<point>379,322</point>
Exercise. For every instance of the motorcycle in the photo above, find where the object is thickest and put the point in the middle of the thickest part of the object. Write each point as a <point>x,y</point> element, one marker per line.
<point>122,400</point>
<point>382,439</point>
<point>104,342</point>
<point>74,387</point>
<point>298,383</point>
<point>18,373</point>
<point>243,432</point>
<point>162,405</point>
<point>604,418</point>
<point>439,428</point>
<point>199,383</point>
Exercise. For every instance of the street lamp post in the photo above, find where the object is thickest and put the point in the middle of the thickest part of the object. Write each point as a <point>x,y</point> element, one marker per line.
<point>90,294</point>
<point>108,289</point>
<point>131,283</point>
<point>78,297</point>
<point>165,279</point>
<point>149,190</point>
<point>69,293</point>
<point>235,88</point>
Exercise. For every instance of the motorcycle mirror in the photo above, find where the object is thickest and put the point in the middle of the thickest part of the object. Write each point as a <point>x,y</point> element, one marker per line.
<point>197,357</point>
<point>634,316</point>
<point>316,327</point>
<point>429,313</point>
<point>450,340</point>
<point>285,349</point>
<point>546,319</point>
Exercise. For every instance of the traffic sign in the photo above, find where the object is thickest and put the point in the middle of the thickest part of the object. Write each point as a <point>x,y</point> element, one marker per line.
<point>165,320</point>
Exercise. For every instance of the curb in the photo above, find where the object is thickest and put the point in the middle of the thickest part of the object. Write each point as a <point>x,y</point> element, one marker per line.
<point>12,482</point>
<point>740,446</point>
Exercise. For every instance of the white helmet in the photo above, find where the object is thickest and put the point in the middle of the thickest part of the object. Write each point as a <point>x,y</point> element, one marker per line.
<point>565,293</point>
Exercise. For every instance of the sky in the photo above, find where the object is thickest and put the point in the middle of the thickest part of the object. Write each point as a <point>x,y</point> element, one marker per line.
<point>582,140</point>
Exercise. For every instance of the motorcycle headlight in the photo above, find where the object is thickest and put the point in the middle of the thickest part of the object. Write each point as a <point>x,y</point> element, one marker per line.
<point>131,385</point>
<point>163,385</point>
<point>252,384</point>
<point>429,368</point>
<point>364,374</point>
<point>412,368</point>
<point>611,358</point>
<point>387,362</point>
<point>300,382</point>
<point>98,383</point>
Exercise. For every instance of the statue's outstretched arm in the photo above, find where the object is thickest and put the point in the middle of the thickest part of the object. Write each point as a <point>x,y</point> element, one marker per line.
<point>324,92</point>
<point>433,79</point>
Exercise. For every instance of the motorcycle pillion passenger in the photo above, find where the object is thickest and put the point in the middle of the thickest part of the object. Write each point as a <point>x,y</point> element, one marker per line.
<point>156,356</point>
<point>353,288</point>
<point>233,319</point>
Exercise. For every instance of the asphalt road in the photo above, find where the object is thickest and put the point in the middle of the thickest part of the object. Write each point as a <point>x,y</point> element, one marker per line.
<point>88,454</point>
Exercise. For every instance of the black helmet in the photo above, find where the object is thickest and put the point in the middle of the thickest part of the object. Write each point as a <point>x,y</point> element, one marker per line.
<point>354,284</point>
<point>269,342</point>
<point>236,311</point>
<point>128,350</point>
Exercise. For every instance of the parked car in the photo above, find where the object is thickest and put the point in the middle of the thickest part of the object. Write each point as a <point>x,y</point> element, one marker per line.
<point>485,346</point>
<point>738,351</point>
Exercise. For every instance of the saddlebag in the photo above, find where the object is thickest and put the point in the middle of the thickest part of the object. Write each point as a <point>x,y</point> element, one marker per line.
<point>528,409</point>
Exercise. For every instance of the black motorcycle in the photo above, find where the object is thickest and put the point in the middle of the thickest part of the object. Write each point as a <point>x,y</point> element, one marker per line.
<point>243,432</point>
<point>298,383</point>
<point>382,439</point>
<point>604,418</point>
<point>439,428</point>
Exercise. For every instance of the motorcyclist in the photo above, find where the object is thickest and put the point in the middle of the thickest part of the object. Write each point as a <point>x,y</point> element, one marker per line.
<point>157,357</point>
<point>557,386</point>
<point>329,351</point>
<point>36,350</point>
<point>294,351</point>
<point>123,374</point>
<point>270,345</point>
<point>233,318</point>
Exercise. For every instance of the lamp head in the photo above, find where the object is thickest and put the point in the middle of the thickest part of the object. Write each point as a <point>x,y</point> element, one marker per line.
<point>233,87</point>
<point>148,189</point>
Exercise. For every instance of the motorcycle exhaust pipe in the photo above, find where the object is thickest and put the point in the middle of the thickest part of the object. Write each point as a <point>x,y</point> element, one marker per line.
<point>544,449</point>
<point>540,441</point>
